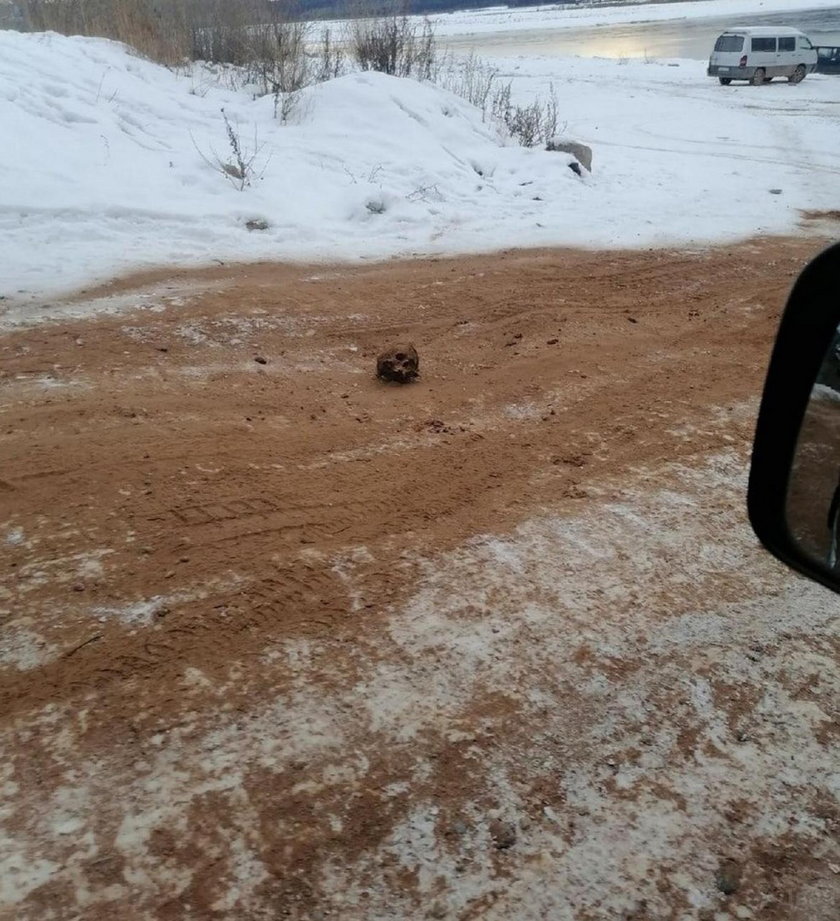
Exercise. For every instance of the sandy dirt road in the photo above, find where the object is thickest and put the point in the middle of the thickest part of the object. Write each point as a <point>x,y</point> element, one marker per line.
<point>283,641</point>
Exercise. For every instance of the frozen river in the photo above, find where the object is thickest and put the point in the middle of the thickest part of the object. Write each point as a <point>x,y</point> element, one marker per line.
<point>687,38</point>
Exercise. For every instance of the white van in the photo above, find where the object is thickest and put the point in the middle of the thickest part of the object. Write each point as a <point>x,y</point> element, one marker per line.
<point>758,54</point>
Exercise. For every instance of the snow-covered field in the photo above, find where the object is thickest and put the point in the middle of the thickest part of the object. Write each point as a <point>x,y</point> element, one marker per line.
<point>110,162</point>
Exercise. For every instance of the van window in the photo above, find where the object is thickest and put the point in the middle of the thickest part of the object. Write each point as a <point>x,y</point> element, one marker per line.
<point>805,43</point>
<point>787,44</point>
<point>764,44</point>
<point>730,43</point>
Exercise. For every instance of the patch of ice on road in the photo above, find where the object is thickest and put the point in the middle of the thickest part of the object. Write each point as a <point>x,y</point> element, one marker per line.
<point>521,411</point>
<point>24,649</point>
<point>20,875</point>
<point>38,572</point>
<point>14,537</point>
<point>49,382</point>
<point>136,612</point>
<point>143,611</point>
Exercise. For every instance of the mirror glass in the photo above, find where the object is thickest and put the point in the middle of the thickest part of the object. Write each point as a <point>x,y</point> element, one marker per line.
<point>813,499</point>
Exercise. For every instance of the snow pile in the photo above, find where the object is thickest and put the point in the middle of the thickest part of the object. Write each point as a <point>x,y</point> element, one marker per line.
<point>113,163</point>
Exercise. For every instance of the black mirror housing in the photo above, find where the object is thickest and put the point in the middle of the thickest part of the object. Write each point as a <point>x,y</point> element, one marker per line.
<point>808,327</point>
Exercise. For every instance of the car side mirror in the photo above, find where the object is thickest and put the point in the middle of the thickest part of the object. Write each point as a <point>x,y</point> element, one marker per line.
<point>794,488</point>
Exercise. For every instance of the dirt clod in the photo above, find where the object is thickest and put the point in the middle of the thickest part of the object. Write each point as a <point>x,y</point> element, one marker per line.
<point>728,876</point>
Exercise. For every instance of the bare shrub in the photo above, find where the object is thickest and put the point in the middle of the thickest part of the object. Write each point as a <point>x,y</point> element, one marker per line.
<point>219,31</point>
<point>279,63</point>
<point>240,167</point>
<point>329,59</point>
<point>478,82</point>
<point>248,33</point>
<point>470,78</point>
<point>394,45</point>
<point>531,124</point>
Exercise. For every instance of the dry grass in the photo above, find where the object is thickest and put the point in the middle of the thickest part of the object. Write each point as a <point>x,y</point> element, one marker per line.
<point>171,31</point>
<point>158,30</point>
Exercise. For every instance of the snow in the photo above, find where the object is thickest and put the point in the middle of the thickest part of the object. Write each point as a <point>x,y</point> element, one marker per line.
<point>525,610</point>
<point>112,163</point>
<point>606,795</point>
<point>555,16</point>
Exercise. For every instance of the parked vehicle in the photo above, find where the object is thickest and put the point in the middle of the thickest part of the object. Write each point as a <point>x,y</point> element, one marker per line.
<point>828,59</point>
<point>757,54</point>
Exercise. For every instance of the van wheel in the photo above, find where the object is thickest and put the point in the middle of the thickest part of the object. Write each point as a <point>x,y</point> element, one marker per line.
<point>725,80</point>
<point>798,75</point>
<point>758,77</point>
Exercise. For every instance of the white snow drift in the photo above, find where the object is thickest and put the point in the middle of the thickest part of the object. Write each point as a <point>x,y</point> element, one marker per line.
<point>108,164</point>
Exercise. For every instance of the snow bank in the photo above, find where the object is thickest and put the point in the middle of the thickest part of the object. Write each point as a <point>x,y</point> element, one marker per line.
<point>108,164</point>
<point>108,168</point>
